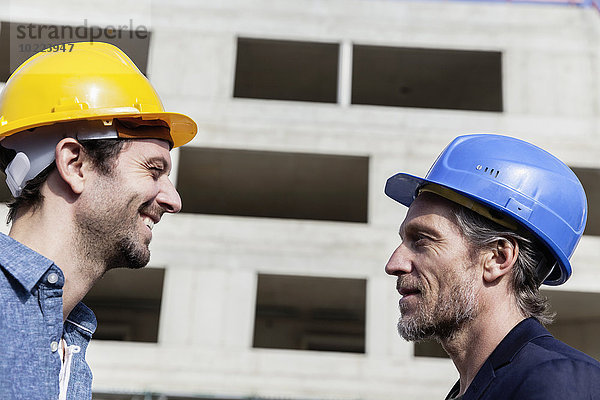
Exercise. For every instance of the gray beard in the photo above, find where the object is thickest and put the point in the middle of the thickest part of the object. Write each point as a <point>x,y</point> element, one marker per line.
<point>445,320</point>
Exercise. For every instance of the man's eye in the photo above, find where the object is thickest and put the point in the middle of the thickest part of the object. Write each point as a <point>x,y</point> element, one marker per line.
<point>156,171</point>
<point>421,240</point>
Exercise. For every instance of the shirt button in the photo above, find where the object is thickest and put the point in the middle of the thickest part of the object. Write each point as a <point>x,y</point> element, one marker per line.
<point>54,346</point>
<point>52,277</point>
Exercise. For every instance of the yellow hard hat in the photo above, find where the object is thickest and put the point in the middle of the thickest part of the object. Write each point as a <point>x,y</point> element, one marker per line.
<point>86,81</point>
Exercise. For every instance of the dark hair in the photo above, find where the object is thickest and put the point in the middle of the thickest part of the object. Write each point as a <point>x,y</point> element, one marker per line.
<point>102,152</point>
<point>483,234</point>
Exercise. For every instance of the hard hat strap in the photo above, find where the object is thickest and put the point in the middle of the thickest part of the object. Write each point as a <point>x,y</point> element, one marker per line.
<point>16,171</point>
<point>545,268</point>
<point>36,148</point>
<point>137,128</point>
<point>470,204</point>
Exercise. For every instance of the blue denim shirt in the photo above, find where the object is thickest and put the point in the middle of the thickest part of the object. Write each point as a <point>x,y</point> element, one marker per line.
<point>31,327</point>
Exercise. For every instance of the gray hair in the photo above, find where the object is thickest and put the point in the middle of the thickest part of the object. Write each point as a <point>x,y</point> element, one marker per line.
<point>483,233</point>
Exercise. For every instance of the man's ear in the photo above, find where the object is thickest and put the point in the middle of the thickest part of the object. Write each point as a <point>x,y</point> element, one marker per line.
<point>500,260</point>
<point>70,160</point>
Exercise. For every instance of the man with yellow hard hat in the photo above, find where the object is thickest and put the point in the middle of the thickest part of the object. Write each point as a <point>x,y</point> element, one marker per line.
<point>84,143</point>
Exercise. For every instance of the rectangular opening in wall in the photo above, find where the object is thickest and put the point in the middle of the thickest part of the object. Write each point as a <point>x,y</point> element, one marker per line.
<point>20,40</point>
<point>427,78</point>
<point>5,70</point>
<point>286,70</point>
<point>577,323</point>
<point>127,304</point>
<point>577,320</point>
<point>5,195</point>
<point>273,184</point>
<point>429,348</point>
<point>310,313</point>
<point>590,179</point>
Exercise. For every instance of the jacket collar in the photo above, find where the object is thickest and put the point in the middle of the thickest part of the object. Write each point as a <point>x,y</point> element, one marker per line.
<point>524,332</point>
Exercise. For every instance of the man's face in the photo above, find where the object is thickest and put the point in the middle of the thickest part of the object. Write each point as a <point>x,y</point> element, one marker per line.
<point>120,209</point>
<point>436,272</point>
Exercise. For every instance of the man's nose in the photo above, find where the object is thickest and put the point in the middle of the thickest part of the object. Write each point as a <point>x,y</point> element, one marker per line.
<point>168,197</point>
<point>399,262</point>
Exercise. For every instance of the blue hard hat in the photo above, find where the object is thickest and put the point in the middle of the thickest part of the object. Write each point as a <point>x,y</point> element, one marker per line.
<point>515,179</point>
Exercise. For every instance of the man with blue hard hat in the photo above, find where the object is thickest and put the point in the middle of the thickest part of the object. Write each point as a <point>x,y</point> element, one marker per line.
<point>494,218</point>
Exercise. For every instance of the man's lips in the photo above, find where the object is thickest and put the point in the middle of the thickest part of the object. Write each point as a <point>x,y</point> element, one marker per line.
<point>150,215</point>
<point>408,291</point>
<point>406,288</point>
<point>150,219</point>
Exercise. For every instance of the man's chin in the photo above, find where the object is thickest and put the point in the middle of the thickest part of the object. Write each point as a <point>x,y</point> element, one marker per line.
<point>131,255</point>
<point>138,261</point>
<point>413,329</point>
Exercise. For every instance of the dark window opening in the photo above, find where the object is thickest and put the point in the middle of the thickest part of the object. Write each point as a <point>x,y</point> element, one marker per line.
<point>5,195</point>
<point>429,348</point>
<point>577,323</point>
<point>310,313</point>
<point>5,64</point>
<point>427,78</point>
<point>273,184</point>
<point>590,179</point>
<point>127,304</point>
<point>21,40</point>
<point>286,70</point>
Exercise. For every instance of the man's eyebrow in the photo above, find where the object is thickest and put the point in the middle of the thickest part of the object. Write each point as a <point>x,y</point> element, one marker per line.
<point>416,227</point>
<point>160,160</point>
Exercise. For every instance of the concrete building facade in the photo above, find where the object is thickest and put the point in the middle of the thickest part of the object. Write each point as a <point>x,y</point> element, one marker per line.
<point>270,283</point>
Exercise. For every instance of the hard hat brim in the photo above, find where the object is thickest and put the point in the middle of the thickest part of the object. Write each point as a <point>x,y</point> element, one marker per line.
<point>404,188</point>
<point>182,128</point>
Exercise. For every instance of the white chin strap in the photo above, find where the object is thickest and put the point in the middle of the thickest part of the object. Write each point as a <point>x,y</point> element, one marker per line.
<point>36,148</point>
<point>18,172</point>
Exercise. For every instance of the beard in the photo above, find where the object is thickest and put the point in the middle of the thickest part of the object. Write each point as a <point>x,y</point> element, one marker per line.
<point>112,236</point>
<point>129,254</point>
<point>439,319</point>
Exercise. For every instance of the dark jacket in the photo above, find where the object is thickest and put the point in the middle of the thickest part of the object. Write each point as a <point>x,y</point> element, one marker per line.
<point>529,363</point>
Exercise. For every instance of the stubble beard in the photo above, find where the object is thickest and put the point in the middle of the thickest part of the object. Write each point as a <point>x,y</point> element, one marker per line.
<point>444,318</point>
<point>112,238</point>
<point>130,254</point>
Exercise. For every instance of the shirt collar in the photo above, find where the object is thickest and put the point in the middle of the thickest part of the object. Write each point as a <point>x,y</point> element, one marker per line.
<point>83,319</point>
<point>24,264</point>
